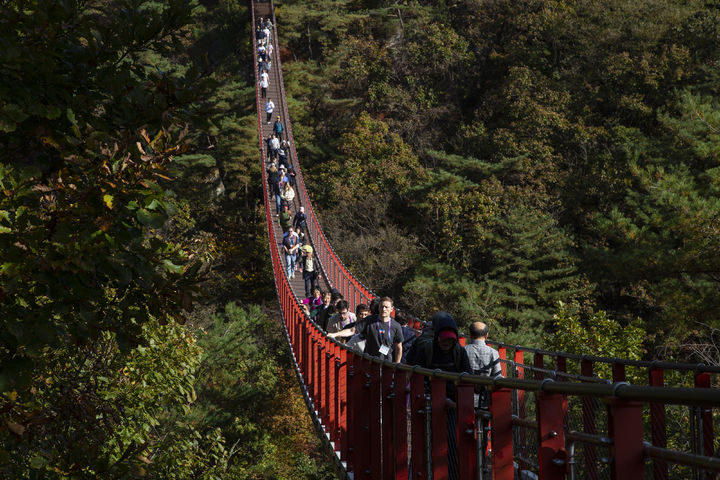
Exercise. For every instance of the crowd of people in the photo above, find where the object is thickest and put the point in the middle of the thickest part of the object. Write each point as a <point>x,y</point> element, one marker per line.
<point>372,328</point>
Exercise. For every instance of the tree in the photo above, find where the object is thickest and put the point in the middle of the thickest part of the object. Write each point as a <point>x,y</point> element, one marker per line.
<point>94,411</point>
<point>595,333</point>
<point>87,131</point>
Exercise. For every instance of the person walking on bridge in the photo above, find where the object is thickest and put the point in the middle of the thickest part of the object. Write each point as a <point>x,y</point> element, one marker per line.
<point>278,129</point>
<point>445,353</point>
<point>290,247</point>
<point>264,83</point>
<point>310,275</point>
<point>300,220</point>
<point>269,109</point>
<point>484,360</point>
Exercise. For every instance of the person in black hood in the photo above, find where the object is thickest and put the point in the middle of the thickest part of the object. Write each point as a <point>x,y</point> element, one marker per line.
<point>446,353</point>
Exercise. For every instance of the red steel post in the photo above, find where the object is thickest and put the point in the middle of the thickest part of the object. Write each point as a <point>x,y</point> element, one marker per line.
<point>418,457</point>
<point>702,380</point>
<point>589,406</point>
<point>331,395</point>
<point>439,430</point>
<point>354,421</point>
<point>317,371</point>
<point>502,352</point>
<point>467,434</point>
<point>307,365</point>
<point>388,462</point>
<point>539,362</point>
<point>626,430</point>
<point>658,425</point>
<point>322,408</point>
<point>551,410</point>
<point>400,433</point>
<point>618,372</point>
<point>519,359</point>
<point>343,388</point>
<point>501,420</point>
<point>375,444</point>
<point>361,416</point>
<point>561,365</point>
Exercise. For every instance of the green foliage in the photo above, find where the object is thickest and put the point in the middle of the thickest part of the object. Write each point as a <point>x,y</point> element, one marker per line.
<point>96,412</point>
<point>94,128</point>
<point>595,333</point>
<point>244,392</point>
<point>567,152</point>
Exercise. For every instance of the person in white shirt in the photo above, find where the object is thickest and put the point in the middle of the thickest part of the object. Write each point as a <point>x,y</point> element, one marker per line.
<point>264,83</point>
<point>269,109</point>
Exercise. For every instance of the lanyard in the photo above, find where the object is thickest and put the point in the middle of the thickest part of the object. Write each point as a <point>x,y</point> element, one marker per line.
<point>381,331</point>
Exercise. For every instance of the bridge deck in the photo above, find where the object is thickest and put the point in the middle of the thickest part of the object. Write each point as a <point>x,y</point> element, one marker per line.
<point>274,93</point>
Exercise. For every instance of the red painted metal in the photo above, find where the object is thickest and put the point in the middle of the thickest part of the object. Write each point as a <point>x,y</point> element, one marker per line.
<point>658,425</point>
<point>438,430</point>
<point>400,420</point>
<point>539,362</point>
<point>388,469</point>
<point>502,352</point>
<point>375,445</point>
<point>618,372</point>
<point>702,380</point>
<point>362,415</point>
<point>354,423</point>
<point>588,409</point>
<point>551,410</point>
<point>626,430</point>
<point>418,431</point>
<point>467,433</point>
<point>519,359</point>
<point>324,377</point>
<point>331,394</point>
<point>343,389</point>
<point>315,365</point>
<point>502,455</point>
<point>561,365</point>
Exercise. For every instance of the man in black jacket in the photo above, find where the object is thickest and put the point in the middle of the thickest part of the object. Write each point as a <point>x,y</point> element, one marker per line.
<point>445,353</point>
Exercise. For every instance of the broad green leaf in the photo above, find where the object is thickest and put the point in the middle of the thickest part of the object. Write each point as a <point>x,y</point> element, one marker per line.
<point>150,219</point>
<point>170,266</point>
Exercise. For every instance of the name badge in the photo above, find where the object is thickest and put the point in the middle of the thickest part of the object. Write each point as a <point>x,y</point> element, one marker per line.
<point>384,350</point>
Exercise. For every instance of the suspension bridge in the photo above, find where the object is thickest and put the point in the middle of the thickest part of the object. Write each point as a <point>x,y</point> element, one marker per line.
<point>553,415</point>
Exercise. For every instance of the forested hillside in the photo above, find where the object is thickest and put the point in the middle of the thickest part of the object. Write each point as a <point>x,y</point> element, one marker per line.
<point>139,330</point>
<point>494,158</point>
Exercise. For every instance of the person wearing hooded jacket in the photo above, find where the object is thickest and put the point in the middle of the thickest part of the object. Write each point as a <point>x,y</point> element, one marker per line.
<point>300,220</point>
<point>446,353</point>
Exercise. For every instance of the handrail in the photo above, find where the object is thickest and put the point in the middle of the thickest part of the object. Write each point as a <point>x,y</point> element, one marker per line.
<point>692,367</point>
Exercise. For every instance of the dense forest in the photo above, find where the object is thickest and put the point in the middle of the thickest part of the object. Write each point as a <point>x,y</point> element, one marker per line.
<point>140,333</point>
<point>547,165</point>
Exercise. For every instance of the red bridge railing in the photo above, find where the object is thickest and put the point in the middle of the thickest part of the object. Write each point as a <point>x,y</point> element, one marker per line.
<point>553,418</point>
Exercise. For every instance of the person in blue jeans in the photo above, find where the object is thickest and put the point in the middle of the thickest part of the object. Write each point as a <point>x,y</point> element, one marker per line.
<point>290,248</point>
<point>276,193</point>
